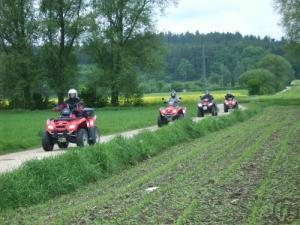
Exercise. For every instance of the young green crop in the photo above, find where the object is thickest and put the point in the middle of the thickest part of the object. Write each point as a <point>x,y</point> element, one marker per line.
<point>210,180</point>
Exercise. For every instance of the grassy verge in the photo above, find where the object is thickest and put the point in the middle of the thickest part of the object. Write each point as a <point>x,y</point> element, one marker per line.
<point>38,181</point>
<point>210,180</point>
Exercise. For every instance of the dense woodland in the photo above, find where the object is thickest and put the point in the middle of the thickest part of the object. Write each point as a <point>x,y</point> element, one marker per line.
<point>215,59</point>
<point>109,50</point>
<point>195,61</point>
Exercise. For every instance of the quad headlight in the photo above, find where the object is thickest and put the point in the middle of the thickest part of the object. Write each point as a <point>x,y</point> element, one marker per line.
<point>72,127</point>
<point>50,127</point>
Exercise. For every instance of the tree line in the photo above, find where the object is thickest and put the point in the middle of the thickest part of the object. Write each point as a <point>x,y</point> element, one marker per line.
<point>219,59</point>
<point>42,43</point>
<point>39,40</point>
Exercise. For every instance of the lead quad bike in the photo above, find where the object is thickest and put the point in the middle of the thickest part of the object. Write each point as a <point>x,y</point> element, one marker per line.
<point>170,113</point>
<point>71,128</point>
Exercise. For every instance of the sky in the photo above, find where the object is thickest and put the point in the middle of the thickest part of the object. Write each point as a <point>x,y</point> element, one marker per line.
<point>255,17</point>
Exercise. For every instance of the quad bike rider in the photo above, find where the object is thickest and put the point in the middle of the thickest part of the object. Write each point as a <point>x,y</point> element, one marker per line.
<point>230,102</point>
<point>172,112</point>
<point>207,105</point>
<point>75,124</point>
<point>75,104</point>
<point>174,99</point>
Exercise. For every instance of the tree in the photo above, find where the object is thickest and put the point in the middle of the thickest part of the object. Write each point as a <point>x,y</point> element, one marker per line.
<point>122,43</point>
<point>251,55</point>
<point>290,11</point>
<point>280,67</point>
<point>258,81</point>
<point>185,70</point>
<point>17,34</point>
<point>63,21</point>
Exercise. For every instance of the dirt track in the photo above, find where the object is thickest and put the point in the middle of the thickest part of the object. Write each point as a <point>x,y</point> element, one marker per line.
<point>13,160</point>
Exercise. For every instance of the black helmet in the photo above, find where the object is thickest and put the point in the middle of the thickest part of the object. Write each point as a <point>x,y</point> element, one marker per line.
<point>173,94</point>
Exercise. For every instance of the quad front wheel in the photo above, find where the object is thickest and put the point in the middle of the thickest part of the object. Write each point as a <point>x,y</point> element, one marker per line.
<point>200,113</point>
<point>225,109</point>
<point>180,116</point>
<point>47,142</point>
<point>161,121</point>
<point>94,135</point>
<point>214,111</point>
<point>82,138</point>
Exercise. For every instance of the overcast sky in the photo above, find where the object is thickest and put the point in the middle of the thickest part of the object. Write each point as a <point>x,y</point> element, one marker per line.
<point>255,17</point>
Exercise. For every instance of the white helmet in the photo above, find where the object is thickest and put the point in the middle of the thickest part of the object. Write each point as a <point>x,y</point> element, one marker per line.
<point>72,92</point>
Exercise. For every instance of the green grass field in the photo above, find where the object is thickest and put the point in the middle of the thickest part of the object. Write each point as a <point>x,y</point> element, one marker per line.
<point>239,175</point>
<point>21,130</point>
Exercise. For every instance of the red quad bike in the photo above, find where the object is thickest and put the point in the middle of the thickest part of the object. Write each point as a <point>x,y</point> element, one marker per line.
<point>206,106</point>
<point>67,128</point>
<point>230,103</point>
<point>170,113</point>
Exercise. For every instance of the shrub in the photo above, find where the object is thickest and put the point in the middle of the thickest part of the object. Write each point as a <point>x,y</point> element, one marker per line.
<point>258,81</point>
<point>280,67</point>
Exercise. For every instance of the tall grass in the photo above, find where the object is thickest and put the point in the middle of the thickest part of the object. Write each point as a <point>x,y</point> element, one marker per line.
<point>38,181</point>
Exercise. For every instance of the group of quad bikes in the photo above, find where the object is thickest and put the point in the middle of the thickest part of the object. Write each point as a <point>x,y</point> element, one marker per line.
<point>205,106</point>
<point>82,131</point>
